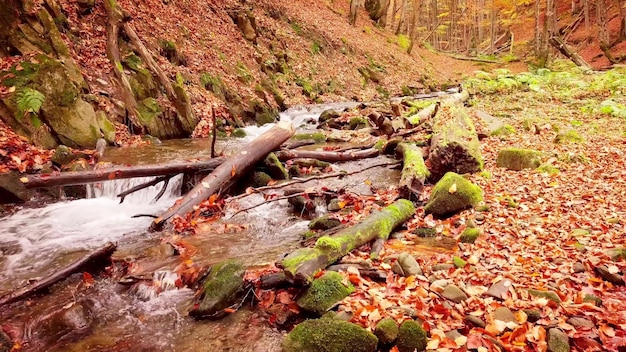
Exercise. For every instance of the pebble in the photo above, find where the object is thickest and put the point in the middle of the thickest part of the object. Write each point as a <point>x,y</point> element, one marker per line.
<point>504,314</point>
<point>578,268</point>
<point>476,321</point>
<point>454,294</point>
<point>605,274</point>
<point>500,290</point>
<point>580,322</point>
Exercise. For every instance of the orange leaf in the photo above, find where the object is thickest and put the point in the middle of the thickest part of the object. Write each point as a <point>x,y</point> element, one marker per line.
<point>233,171</point>
<point>87,278</point>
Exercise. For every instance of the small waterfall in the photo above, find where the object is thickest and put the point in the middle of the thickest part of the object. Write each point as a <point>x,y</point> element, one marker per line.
<point>110,189</point>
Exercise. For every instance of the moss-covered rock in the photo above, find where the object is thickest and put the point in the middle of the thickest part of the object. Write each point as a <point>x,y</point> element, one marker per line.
<point>221,289</point>
<point>568,136</point>
<point>411,337</point>
<point>324,223</point>
<point>425,232</point>
<point>324,292</point>
<point>318,137</point>
<point>387,331</point>
<point>357,123</point>
<point>238,133</point>
<point>327,115</point>
<point>261,179</point>
<point>518,159</point>
<point>106,127</point>
<point>469,235</point>
<point>62,155</point>
<point>558,341</point>
<point>503,131</point>
<point>452,194</point>
<point>325,335</point>
<point>548,169</point>
<point>275,168</point>
<point>552,296</point>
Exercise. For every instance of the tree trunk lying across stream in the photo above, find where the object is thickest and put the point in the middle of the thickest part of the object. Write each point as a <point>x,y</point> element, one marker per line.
<point>118,172</point>
<point>301,265</point>
<point>228,172</point>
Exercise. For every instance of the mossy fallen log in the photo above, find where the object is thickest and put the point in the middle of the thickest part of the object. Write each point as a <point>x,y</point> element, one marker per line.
<point>414,171</point>
<point>454,145</point>
<point>327,155</point>
<point>301,265</point>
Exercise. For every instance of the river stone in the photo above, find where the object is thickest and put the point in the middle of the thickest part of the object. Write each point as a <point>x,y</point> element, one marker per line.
<point>518,159</point>
<point>578,268</point>
<point>476,321</point>
<point>328,334</point>
<point>452,194</point>
<point>500,290</point>
<point>580,322</point>
<point>411,337</point>
<point>386,330</point>
<point>469,235</point>
<point>606,275</point>
<point>552,296</point>
<point>504,314</point>
<point>221,290</point>
<point>275,168</point>
<point>454,294</point>
<point>532,315</point>
<point>558,341</point>
<point>406,265</point>
<point>324,292</point>
<point>62,155</point>
<point>442,267</point>
<point>12,190</point>
<point>439,285</point>
<point>324,223</point>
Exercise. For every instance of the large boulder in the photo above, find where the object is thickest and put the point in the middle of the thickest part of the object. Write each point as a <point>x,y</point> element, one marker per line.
<point>452,194</point>
<point>221,289</point>
<point>325,292</point>
<point>328,334</point>
<point>518,159</point>
<point>411,337</point>
<point>12,190</point>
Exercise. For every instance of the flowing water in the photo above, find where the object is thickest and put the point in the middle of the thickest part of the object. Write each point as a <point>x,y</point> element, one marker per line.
<point>35,242</point>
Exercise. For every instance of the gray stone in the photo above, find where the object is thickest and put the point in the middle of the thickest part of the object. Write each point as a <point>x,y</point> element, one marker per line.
<point>439,285</point>
<point>442,267</point>
<point>453,334</point>
<point>500,290</point>
<point>580,322</point>
<point>558,341</point>
<point>605,274</point>
<point>454,294</point>
<point>504,314</point>
<point>578,268</point>
<point>406,265</point>
<point>476,321</point>
<point>545,294</point>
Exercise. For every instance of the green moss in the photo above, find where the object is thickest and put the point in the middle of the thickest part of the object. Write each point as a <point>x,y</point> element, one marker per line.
<point>291,262</point>
<point>469,235</point>
<point>464,195</point>
<point>379,145</point>
<point>149,109</point>
<point>617,254</point>
<point>357,123</point>
<point>413,162</point>
<point>221,289</point>
<point>238,133</point>
<point>308,234</point>
<point>552,296</point>
<point>411,337</point>
<point>318,137</point>
<point>329,335</point>
<point>387,331</point>
<point>518,159</point>
<point>558,341</point>
<point>324,292</point>
<point>425,232</point>
<point>328,244</point>
<point>485,174</point>
<point>275,167</point>
<point>503,131</point>
<point>261,179</point>
<point>459,262</point>
<point>568,136</point>
<point>548,169</point>
<point>593,299</point>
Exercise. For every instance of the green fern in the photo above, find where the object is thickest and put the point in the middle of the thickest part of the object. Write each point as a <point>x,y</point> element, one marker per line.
<point>29,101</point>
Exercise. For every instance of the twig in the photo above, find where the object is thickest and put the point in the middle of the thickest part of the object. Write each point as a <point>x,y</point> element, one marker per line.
<point>266,201</point>
<point>214,136</point>
<point>145,185</point>
<point>162,191</point>
<point>307,179</point>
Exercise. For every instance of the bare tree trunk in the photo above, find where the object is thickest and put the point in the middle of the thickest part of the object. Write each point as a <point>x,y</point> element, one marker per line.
<point>402,17</point>
<point>354,9</point>
<point>433,21</point>
<point>586,11</point>
<point>413,27</point>
<point>622,14</point>
<point>603,33</point>
<point>493,27</point>
<point>538,26</point>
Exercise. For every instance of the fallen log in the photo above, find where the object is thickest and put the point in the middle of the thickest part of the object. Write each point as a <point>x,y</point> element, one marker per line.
<point>229,171</point>
<point>423,115</point>
<point>327,155</point>
<point>454,145</point>
<point>80,265</point>
<point>564,49</point>
<point>118,172</point>
<point>414,171</point>
<point>301,265</point>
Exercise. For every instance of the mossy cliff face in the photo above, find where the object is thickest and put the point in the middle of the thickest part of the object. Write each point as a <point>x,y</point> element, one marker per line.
<point>63,116</point>
<point>328,334</point>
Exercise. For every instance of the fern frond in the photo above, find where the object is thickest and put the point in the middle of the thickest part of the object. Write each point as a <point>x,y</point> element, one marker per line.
<point>29,101</point>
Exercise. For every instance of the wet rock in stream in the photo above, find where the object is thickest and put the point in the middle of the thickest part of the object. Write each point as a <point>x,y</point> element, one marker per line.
<point>221,290</point>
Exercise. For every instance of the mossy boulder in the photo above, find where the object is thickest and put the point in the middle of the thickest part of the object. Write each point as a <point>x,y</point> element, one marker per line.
<point>452,194</point>
<point>318,137</point>
<point>63,155</point>
<point>469,235</point>
<point>327,115</point>
<point>220,290</point>
<point>325,335</point>
<point>275,168</point>
<point>568,136</point>
<point>387,331</point>
<point>518,159</point>
<point>558,341</point>
<point>324,223</point>
<point>357,123</point>
<point>261,179</point>
<point>552,296</point>
<point>411,337</point>
<point>503,131</point>
<point>324,292</point>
